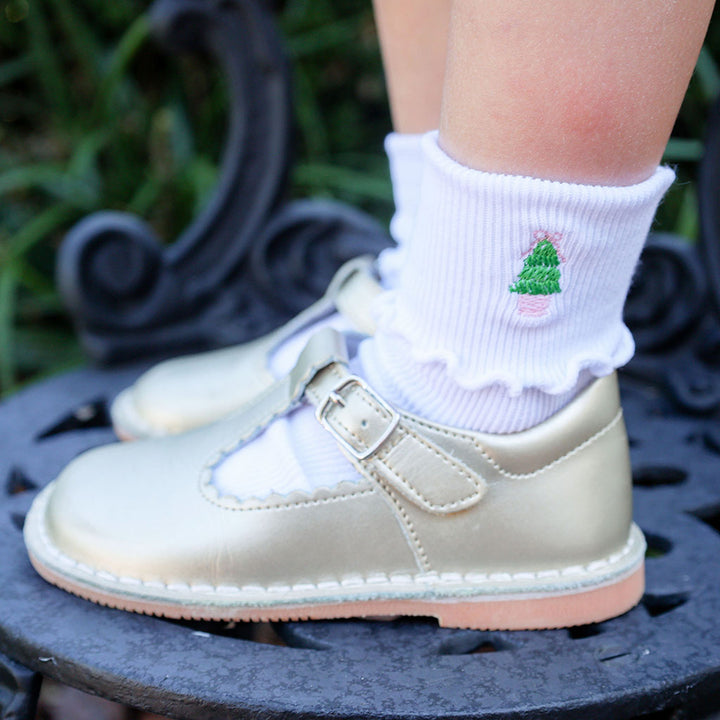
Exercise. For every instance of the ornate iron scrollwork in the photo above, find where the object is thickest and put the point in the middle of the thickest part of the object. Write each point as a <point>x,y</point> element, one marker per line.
<point>19,689</point>
<point>674,305</point>
<point>130,296</point>
<point>668,313</point>
<point>669,294</point>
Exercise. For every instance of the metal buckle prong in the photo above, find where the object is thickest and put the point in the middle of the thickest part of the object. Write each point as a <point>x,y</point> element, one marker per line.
<point>335,398</point>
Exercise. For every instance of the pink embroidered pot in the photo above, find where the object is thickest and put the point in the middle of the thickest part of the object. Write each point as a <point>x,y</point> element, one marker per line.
<point>533,305</point>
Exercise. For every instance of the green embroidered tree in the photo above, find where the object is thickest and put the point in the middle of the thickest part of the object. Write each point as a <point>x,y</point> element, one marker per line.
<point>541,272</point>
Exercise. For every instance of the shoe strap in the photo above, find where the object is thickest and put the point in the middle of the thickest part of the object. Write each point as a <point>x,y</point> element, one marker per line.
<point>325,348</point>
<point>388,449</point>
<point>383,443</point>
<point>350,292</point>
<point>353,289</point>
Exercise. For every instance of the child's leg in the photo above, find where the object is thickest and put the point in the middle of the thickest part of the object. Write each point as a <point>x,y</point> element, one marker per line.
<point>565,90</point>
<point>457,343</point>
<point>482,330</point>
<point>413,38</point>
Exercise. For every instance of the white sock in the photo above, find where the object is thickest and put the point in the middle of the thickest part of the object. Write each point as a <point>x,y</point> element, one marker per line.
<point>294,453</point>
<point>462,340</point>
<point>405,157</point>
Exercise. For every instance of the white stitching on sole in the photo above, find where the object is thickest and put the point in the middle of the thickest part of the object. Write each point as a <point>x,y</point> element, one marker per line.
<point>422,580</point>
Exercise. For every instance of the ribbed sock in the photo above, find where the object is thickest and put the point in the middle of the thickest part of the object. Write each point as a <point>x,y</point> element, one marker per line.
<point>405,157</point>
<point>510,295</point>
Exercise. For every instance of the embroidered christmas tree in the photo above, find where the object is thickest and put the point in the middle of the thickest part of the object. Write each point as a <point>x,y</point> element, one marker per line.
<point>540,275</point>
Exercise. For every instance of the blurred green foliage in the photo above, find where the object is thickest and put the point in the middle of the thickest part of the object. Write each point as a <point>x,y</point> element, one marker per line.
<point>94,116</point>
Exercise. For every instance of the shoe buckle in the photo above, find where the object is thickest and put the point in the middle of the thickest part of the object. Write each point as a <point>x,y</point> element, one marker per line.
<point>336,398</point>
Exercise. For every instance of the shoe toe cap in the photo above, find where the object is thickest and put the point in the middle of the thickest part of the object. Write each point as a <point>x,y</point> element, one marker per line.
<point>134,510</point>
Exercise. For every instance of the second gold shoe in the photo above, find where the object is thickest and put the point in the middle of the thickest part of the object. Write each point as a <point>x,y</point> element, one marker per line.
<point>188,392</point>
<point>527,530</point>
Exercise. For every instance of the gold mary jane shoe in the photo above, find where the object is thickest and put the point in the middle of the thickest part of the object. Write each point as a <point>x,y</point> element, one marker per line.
<point>520,531</point>
<point>188,392</point>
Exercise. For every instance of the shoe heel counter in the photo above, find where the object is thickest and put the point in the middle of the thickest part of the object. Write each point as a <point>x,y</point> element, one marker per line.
<point>573,511</point>
<point>593,491</point>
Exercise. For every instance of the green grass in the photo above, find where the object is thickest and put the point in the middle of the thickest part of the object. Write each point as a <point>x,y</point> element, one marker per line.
<point>94,116</point>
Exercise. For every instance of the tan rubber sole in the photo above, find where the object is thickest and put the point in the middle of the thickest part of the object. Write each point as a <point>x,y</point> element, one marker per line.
<point>121,422</point>
<point>126,422</point>
<point>484,613</point>
<point>122,435</point>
